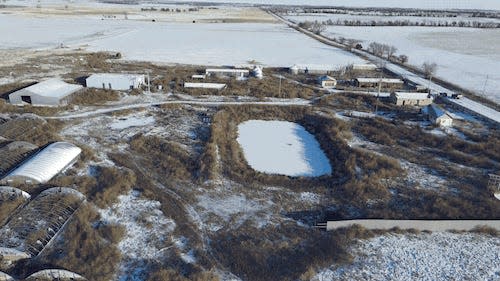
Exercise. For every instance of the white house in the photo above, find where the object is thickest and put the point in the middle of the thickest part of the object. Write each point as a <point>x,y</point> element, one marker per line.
<point>115,81</point>
<point>439,116</point>
<point>327,81</point>
<point>52,92</point>
<point>411,98</point>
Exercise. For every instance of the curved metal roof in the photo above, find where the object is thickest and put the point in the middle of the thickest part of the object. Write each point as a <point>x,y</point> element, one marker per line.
<point>12,190</point>
<point>5,277</point>
<point>47,163</point>
<point>55,274</point>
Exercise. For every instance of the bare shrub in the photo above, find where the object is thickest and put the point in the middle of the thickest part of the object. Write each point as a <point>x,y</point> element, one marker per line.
<point>93,96</point>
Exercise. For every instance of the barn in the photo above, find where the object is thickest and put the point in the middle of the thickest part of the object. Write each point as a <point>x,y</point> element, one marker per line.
<point>374,82</point>
<point>115,81</point>
<point>45,164</point>
<point>327,82</point>
<point>439,116</point>
<point>52,92</point>
<point>410,98</point>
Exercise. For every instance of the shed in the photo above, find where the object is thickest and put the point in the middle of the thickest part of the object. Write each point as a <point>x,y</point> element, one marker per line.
<point>364,67</point>
<point>198,76</point>
<point>227,72</point>
<point>374,82</point>
<point>410,98</point>
<point>439,116</point>
<point>115,81</point>
<point>45,164</point>
<point>218,86</point>
<point>327,81</point>
<point>317,69</point>
<point>52,92</point>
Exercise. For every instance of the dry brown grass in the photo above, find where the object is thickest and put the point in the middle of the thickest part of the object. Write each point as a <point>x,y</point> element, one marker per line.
<point>92,96</point>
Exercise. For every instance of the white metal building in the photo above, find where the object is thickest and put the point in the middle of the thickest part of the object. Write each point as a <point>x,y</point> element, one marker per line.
<point>45,164</point>
<point>364,67</point>
<point>439,116</point>
<point>410,98</point>
<point>217,86</point>
<point>327,81</point>
<point>52,92</point>
<point>115,81</point>
<point>227,72</point>
<point>374,82</point>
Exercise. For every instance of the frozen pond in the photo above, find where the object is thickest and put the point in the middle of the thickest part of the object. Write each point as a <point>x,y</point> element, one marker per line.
<point>280,147</point>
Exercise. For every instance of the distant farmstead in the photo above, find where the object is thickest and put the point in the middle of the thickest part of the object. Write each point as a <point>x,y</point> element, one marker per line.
<point>52,92</point>
<point>326,81</point>
<point>196,85</point>
<point>115,81</point>
<point>405,98</point>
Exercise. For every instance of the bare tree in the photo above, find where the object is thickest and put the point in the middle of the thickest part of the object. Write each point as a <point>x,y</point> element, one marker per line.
<point>429,69</point>
<point>318,27</point>
<point>391,51</point>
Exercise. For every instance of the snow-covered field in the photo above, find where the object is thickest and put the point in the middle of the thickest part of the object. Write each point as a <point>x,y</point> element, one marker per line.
<point>165,42</point>
<point>467,57</point>
<point>285,148</point>
<point>435,256</point>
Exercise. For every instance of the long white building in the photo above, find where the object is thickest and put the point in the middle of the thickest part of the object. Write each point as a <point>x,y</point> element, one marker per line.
<point>115,81</point>
<point>52,92</point>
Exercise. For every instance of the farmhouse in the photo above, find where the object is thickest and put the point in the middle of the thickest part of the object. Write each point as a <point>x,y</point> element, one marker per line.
<point>45,164</point>
<point>439,116</point>
<point>327,82</point>
<point>217,86</point>
<point>405,98</point>
<point>52,92</point>
<point>115,81</point>
<point>227,72</point>
<point>374,82</point>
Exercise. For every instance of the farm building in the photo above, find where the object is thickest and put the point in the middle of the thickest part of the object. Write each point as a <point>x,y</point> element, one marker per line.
<point>311,69</point>
<point>217,86</point>
<point>326,81</point>
<point>404,98</point>
<point>45,164</point>
<point>363,67</point>
<point>257,72</point>
<point>227,72</point>
<point>415,87</point>
<point>198,76</point>
<point>115,81</point>
<point>374,82</point>
<point>54,274</point>
<point>52,92</point>
<point>5,277</point>
<point>439,116</point>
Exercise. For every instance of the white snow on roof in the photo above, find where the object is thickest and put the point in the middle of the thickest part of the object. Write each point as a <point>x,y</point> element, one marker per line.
<point>217,86</point>
<point>113,76</point>
<point>326,78</point>
<point>48,162</point>
<point>53,88</point>
<point>437,111</point>
<point>377,80</point>
<point>411,96</point>
<point>284,148</point>
<point>53,274</point>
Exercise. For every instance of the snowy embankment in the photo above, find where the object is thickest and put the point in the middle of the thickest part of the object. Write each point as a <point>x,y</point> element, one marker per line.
<point>436,256</point>
<point>284,148</point>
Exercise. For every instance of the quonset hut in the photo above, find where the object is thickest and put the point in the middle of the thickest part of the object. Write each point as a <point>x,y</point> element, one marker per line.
<point>52,92</point>
<point>45,164</point>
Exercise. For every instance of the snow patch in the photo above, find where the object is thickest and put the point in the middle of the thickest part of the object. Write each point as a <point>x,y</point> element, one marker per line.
<point>285,148</point>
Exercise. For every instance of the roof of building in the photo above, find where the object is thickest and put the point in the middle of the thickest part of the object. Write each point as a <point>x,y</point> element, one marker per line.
<point>230,70</point>
<point>48,162</point>
<point>377,80</point>
<point>113,76</point>
<point>204,85</point>
<point>436,112</point>
<point>5,276</point>
<point>52,88</point>
<point>54,274</point>
<point>326,78</point>
<point>312,67</point>
<point>9,190</point>
<point>411,95</point>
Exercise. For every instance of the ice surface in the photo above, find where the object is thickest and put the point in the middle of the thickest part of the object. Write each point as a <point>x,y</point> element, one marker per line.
<point>285,148</point>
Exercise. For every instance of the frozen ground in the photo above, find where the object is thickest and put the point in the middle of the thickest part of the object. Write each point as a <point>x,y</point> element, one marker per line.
<point>436,256</point>
<point>186,43</point>
<point>285,148</point>
<point>467,57</point>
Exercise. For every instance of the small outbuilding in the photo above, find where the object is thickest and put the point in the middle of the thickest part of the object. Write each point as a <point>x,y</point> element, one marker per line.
<point>363,67</point>
<point>439,116</point>
<point>327,82</point>
<point>410,98</point>
<point>52,92</point>
<point>257,72</point>
<point>115,81</point>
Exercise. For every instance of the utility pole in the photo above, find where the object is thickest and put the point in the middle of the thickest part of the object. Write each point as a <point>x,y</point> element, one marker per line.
<point>279,91</point>
<point>149,82</point>
<point>378,93</point>
<point>485,82</point>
